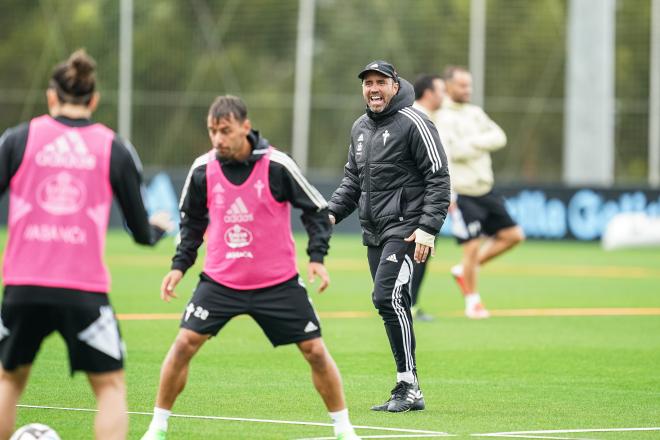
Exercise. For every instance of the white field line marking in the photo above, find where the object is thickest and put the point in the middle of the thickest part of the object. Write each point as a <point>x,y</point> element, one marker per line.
<point>530,434</point>
<point>242,419</point>
<point>539,436</point>
<point>387,436</point>
<point>579,312</point>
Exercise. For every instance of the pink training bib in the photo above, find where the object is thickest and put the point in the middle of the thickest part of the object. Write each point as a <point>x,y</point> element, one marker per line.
<point>249,240</point>
<point>59,205</point>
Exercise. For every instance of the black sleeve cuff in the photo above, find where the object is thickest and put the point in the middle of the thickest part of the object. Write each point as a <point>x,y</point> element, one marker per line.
<point>428,230</point>
<point>178,265</point>
<point>316,257</point>
<point>334,214</point>
<point>156,234</point>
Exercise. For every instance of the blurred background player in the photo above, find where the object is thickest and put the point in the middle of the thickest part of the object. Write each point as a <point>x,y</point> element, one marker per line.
<point>240,195</point>
<point>396,176</point>
<point>62,170</point>
<point>429,93</point>
<point>470,136</point>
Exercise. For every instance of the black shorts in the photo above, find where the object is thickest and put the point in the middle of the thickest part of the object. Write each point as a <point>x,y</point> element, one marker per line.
<point>85,320</point>
<point>284,311</point>
<point>475,216</point>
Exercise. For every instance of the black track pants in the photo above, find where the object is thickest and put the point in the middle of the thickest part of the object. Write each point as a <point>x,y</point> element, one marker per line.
<point>391,266</point>
<point>418,275</point>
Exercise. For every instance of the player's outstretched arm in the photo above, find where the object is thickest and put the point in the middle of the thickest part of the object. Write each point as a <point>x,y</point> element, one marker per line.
<point>169,283</point>
<point>318,269</point>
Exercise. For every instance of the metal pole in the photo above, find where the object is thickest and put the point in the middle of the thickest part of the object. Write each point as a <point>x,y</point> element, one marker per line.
<point>654,97</point>
<point>125,67</point>
<point>303,83</point>
<point>589,108</point>
<point>478,49</point>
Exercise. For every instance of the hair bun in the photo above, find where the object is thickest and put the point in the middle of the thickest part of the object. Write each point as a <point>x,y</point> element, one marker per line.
<point>82,63</point>
<point>75,79</point>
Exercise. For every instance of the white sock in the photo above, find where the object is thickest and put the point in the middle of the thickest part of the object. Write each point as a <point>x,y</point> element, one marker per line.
<point>159,421</point>
<point>471,299</point>
<point>341,422</point>
<point>406,376</point>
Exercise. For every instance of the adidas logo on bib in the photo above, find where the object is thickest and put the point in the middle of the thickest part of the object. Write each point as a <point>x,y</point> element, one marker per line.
<point>238,212</point>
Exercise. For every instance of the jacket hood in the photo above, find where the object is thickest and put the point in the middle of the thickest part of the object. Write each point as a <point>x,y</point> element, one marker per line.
<point>259,145</point>
<point>405,97</point>
<point>259,148</point>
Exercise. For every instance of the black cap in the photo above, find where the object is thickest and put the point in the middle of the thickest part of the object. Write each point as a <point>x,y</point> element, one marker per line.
<point>382,67</point>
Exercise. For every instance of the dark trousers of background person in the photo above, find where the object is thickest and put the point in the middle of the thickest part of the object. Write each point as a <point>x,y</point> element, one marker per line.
<point>418,275</point>
<point>391,266</point>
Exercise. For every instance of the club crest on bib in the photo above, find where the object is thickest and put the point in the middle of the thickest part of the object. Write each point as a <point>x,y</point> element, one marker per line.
<point>61,194</point>
<point>238,237</point>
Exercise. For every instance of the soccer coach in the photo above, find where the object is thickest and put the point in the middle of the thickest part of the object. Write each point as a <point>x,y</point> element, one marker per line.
<point>397,178</point>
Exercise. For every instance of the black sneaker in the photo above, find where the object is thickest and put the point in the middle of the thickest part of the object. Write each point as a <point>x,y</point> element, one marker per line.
<point>382,407</point>
<point>405,397</point>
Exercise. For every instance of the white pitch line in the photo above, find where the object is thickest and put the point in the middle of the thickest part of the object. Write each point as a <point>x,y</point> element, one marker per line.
<point>544,433</point>
<point>387,436</point>
<point>243,419</point>
<point>535,436</point>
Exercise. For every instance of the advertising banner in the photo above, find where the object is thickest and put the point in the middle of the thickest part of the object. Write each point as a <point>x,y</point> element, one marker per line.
<point>556,213</point>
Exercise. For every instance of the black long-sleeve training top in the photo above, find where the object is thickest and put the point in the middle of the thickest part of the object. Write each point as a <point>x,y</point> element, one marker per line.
<point>287,184</point>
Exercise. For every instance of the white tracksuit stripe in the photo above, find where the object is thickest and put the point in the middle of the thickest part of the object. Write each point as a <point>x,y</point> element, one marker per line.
<point>290,165</point>
<point>408,261</point>
<point>403,323</point>
<point>203,159</point>
<point>429,142</point>
<point>422,124</point>
<point>432,148</point>
<point>401,315</point>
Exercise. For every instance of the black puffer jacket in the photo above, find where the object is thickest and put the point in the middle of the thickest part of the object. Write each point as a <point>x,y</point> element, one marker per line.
<point>396,173</point>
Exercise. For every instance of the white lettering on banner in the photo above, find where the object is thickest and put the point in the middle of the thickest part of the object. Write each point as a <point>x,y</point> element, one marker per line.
<point>579,213</point>
<point>56,234</point>
<point>237,237</point>
<point>238,254</point>
<point>66,151</point>
<point>61,194</point>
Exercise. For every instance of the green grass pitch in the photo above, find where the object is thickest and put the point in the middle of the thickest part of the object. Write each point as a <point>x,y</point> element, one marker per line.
<point>504,374</point>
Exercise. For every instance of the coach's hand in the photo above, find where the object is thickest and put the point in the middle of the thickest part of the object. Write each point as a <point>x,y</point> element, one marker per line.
<point>320,270</point>
<point>424,244</point>
<point>169,283</point>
